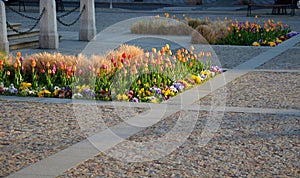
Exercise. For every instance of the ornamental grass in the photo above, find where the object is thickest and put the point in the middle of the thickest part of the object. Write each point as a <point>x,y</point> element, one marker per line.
<point>211,31</point>
<point>161,26</point>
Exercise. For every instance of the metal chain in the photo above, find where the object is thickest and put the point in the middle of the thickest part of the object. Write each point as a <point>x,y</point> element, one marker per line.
<point>21,14</point>
<point>69,12</point>
<point>72,23</point>
<point>29,30</point>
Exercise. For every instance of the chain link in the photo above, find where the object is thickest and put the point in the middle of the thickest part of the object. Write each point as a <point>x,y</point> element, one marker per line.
<point>29,30</point>
<point>69,12</point>
<point>21,14</point>
<point>72,23</point>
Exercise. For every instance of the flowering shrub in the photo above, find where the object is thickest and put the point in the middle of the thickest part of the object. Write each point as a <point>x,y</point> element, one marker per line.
<point>126,74</point>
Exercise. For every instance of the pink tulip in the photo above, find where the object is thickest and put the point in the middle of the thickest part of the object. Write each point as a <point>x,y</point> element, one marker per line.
<point>80,72</point>
<point>104,66</point>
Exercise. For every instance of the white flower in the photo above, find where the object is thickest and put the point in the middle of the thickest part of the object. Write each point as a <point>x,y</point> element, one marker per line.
<point>151,97</point>
<point>31,92</point>
<point>202,76</point>
<point>56,88</point>
<point>173,89</point>
<point>77,95</point>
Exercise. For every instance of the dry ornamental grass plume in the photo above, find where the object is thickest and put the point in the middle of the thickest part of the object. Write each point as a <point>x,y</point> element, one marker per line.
<point>161,26</point>
<point>54,59</point>
<point>211,31</point>
<point>81,61</point>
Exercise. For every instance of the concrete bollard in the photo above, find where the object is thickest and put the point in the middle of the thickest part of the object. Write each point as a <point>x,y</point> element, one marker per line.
<point>4,45</point>
<point>87,29</point>
<point>48,26</point>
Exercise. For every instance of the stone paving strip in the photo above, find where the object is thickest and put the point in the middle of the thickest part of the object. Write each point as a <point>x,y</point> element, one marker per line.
<point>289,60</point>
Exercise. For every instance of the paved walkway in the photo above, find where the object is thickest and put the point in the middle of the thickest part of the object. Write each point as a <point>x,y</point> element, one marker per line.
<point>244,122</point>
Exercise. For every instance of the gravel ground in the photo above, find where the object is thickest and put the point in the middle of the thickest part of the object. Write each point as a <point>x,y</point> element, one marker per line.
<point>261,90</point>
<point>255,145</point>
<point>287,60</point>
<point>33,131</point>
<point>232,56</point>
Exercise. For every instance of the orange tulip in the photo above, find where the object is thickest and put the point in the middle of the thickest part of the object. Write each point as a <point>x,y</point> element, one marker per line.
<point>63,67</point>
<point>120,65</point>
<point>18,55</point>
<point>48,64</point>
<point>15,65</point>
<point>74,68</point>
<point>33,64</point>
<point>167,15</point>
<point>154,80</point>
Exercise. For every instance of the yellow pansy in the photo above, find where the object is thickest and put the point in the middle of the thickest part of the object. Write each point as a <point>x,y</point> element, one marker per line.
<point>278,40</point>
<point>272,44</point>
<point>196,79</point>
<point>255,44</point>
<point>119,97</point>
<point>124,97</point>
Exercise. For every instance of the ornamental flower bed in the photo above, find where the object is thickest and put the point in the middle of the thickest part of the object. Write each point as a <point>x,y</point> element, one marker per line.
<point>224,32</point>
<point>271,33</point>
<point>126,74</point>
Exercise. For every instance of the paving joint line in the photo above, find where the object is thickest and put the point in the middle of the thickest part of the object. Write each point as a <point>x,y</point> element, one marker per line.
<point>245,110</point>
<point>266,70</point>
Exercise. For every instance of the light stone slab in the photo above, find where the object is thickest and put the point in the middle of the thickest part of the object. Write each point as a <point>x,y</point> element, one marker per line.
<point>4,45</point>
<point>87,29</point>
<point>48,38</point>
